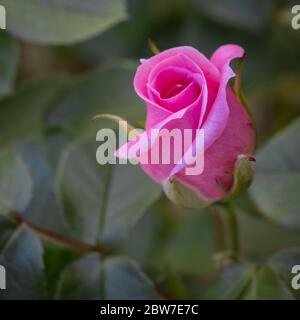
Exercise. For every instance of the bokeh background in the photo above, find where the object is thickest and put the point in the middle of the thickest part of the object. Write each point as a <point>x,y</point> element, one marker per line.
<point>61,63</point>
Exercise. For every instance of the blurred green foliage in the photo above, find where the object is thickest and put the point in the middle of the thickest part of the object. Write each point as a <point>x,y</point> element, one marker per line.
<point>62,63</point>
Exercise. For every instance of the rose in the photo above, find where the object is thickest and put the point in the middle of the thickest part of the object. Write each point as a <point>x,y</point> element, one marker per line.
<point>183,89</point>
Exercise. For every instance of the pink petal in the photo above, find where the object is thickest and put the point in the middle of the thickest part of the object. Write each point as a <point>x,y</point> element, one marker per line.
<point>216,119</point>
<point>237,138</point>
<point>175,97</point>
<point>185,56</point>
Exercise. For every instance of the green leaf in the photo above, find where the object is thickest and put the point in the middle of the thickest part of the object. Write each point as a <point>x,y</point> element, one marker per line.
<point>276,185</point>
<point>248,14</point>
<point>269,281</point>
<point>286,259</point>
<point>254,229</point>
<point>7,228</point>
<point>283,261</point>
<point>56,259</point>
<point>43,209</point>
<point>61,21</point>
<point>70,104</point>
<point>22,259</point>
<point>15,182</point>
<point>279,98</point>
<point>108,90</point>
<point>83,279</point>
<point>125,280</point>
<point>113,278</point>
<point>101,202</point>
<point>9,55</point>
<point>232,282</point>
<point>177,243</point>
<point>246,282</point>
<point>190,248</point>
<point>21,114</point>
<point>267,285</point>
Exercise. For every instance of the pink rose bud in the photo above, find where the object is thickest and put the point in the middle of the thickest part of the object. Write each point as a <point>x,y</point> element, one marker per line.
<point>185,90</point>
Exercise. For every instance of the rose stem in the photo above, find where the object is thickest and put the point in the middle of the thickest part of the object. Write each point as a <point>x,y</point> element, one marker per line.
<point>227,233</point>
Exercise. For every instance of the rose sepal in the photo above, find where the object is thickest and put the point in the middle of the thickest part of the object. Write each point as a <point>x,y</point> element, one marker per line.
<point>243,173</point>
<point>183,195</point>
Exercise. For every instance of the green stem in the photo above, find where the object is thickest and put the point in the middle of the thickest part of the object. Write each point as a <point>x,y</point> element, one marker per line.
<point>231,229</point>
<point>226,234</point>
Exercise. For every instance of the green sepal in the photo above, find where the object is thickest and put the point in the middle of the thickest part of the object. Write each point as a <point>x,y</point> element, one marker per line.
<point>115,119</point>
<point>242,176</point>
<point>183,195</point>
